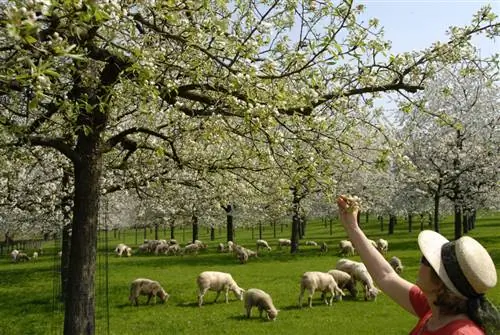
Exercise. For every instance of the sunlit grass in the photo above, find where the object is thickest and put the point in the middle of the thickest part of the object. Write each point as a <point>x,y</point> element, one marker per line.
<point>30,304</point>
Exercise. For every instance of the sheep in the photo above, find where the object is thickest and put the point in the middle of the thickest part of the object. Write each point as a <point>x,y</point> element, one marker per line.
<point>121,248</point>
<point>382,246</point>
<point>315,280</point>
<point>59,254</point>
<point>358,272</point>
<point>13,254</point>
<point>217,281</point>
<point>230,246</point>
<point>243,254</point>
<point>262,300</point>
<point>173,249</point>
<point>172,242</point>
<point>34,256</point>
<point>200,244</point>
<point>346,248</point>
<point>284,242</point>
<point>191,248</point>
<point>151,288</point>
<point>324,247</point>
<point>372,242</point>
<point>220,247</point>
<point>161,248</point>
<point>344,281</point>
<point>315,244</point>
<point>396,264</point>
<point>262,244</point>
<point>21,257</point>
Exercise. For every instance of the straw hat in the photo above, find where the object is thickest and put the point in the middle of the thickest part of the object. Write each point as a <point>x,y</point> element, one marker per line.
<point>464,265</point>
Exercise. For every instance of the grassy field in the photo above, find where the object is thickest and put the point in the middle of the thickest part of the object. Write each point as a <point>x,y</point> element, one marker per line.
<point>29,303</point>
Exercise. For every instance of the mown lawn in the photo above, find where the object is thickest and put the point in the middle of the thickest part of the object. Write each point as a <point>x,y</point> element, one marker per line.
<point>29,291</point>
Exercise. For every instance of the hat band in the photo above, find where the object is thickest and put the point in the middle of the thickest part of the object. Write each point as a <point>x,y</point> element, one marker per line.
<point>457,277</point>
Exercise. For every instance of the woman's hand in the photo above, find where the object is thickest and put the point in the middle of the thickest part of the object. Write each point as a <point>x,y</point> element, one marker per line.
<point>348,209</point>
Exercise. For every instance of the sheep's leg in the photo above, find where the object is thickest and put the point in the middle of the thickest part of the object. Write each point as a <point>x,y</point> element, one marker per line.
<point>260,312</point>
<point>226,292</point>
<point>300,296</point>
<point>310,297</point>
<point>249,310</point>
<point>150,295</point>
<point>332,292</point>
<point>200,296</point>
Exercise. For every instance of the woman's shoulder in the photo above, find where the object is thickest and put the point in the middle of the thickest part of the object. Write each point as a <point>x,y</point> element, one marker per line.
<point>462,327</point>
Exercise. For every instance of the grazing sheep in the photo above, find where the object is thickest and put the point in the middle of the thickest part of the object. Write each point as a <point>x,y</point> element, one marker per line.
<point>315,244</point>
<point>13,255</point>
<point>262,244</point>
<point>161,248</point>
<point>172,242</point>
<point>322,281</point>
<point>396,264</point>
<point>262,300</point>
<point>173,249</point>
<point>220,247</point>
<point>344,281</point>
<point>346,248</point>
<point>324,247</point>
<point>358,272</point>
<point>217,281</point>
<point>243,254</point>
<point>59,254</point>
<point>191,248</point>
<point>144,286</point>
<point>230,246</point>
<point>121,248</point>
<point>22,257</point>
<point>382,246</point>
<point>284,242</point>
<point>34,256</point>
<point>200,244</point>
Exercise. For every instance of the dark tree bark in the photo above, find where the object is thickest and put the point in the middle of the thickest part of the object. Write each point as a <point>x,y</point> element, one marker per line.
<point>436,211</point>
<point>212,233</point>
<point>295,221</point>
<point>392,223</point>
<point>410,222</point>
<point>156,231</point>
<point>194,222</point>
<point>229,222</point>
<point>80,301</point>
<point>260,230</point>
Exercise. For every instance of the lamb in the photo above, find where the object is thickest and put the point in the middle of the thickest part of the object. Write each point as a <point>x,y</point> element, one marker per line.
<point>396,264</point>
<point>230,246</point>
<point>173,249</point>
<point>315,280</point>
<point>144,286</point>
<point>35,256</point>
<point>244,254</point>
<point>344,281</point>
<point>121,248</point>
<point>262,300</point>
<point>284,242</point>
<point>191,248</point>
<point>358,271</point>
<point>220,247</point>
<point>262,244</point>
<point>22,257</point>
<point>217,281</point>
<point>13,254</point>
<point>346,248</point>
<point>313,243</point>
<point>382,246</point>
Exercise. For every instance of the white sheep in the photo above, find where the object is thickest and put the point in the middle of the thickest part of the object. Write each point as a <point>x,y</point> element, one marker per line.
<point>13,255</point>
<point>191,248</point>
<point>344,281</point>
<point>121,248</point>
<point>382,246</point>
<point>220,247</point>
<point>322,281</point>
<point>313,243</point>
<point>262,244</point>
<point>358,272</point>
<point>372,242</point>
<point>396,264</point>
<point>346,248</point>
<point>173,249</point>
<point>144,286</point>
<point>261,300</point>
<point>284,242</point>
<point>217,281</point>
<point>34,256</point>
<point>22,257</point>
<point>161,248</point>
<point>230,246</point>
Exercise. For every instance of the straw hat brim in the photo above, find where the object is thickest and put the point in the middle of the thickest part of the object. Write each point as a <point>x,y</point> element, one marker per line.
<point>430,244</point>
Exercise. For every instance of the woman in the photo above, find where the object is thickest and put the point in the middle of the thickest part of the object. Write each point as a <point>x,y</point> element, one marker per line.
<point>448,297</point>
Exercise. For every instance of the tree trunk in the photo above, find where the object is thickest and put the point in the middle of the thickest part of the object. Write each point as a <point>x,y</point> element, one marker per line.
<point>156,231</point>
<point>303,224</point>
<point>212,233</point>
<point>381,221</point>
<point>295,223</point>
<point>194,222</point>
<point>79,317</point>
<point>172,231</point>
<point>458,221</point>
<point>436,212</point>
<point>410,222</point>
<point>229,222</point>
<point>392,223</point>
<point>260,230</point>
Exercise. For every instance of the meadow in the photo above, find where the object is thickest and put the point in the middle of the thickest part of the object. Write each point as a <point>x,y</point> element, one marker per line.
<point>29,291</point>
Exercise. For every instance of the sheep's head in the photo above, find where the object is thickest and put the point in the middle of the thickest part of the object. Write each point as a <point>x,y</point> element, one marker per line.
<point>163,295</point>
<point>272,313</point>
<point>238,292</point>
<point>371,294</point>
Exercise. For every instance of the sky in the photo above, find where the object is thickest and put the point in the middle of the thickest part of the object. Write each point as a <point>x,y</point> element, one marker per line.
<point>416,24</point>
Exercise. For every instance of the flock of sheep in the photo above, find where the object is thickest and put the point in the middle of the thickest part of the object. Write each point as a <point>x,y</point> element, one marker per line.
<point>345,276</point>
<point>18,256</point>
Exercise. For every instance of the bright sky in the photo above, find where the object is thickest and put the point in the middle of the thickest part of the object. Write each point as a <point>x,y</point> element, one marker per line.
<point>416,24</point>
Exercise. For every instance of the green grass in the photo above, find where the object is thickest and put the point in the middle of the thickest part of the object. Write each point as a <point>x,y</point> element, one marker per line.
<point>29,303</point>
